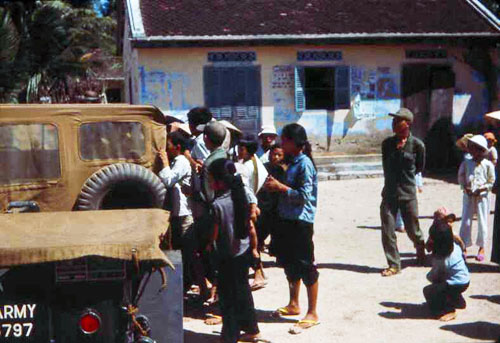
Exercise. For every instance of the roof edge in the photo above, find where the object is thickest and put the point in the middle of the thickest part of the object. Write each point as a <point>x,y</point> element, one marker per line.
<point>485,13</point>
<point>284,40</point>
<point>135,18</point>
<point>318,36</point>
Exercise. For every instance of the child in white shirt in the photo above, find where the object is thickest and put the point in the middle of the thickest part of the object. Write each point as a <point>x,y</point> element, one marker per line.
<point>476,176</point>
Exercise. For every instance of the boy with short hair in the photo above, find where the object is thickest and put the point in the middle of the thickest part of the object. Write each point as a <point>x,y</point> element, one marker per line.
<point>175,173</point>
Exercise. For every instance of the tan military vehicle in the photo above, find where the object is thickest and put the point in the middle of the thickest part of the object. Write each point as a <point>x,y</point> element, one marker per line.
<point>83,157</point>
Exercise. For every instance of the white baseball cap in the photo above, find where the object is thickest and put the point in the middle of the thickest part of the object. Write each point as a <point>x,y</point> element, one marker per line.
<point>480,141</point>
<point>268,130</point>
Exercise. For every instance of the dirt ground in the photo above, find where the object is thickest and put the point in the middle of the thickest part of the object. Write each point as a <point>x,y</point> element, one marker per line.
<point>356,304</point>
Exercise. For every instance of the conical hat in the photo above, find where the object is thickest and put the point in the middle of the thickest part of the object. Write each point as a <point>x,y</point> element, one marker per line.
<point>493,115</point>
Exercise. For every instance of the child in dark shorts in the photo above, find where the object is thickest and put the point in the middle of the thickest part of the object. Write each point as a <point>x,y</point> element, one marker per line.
<point>268,201</point>
<point>297,208</point>
<point>230,240</point>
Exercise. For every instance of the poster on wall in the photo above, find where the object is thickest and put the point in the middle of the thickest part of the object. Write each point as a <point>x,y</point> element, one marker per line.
<point>283,77</point>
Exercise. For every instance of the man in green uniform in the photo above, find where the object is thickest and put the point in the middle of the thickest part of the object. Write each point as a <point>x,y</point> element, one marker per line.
<point>403,156</point>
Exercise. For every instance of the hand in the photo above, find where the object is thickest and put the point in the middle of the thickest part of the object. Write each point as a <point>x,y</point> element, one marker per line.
<point>255,253</point>
<point>468,191</point>
<point>163,157</point>
<point>476,192</point>
<point>420,189</point>
<point>198,165</point>
<point>273,185</point>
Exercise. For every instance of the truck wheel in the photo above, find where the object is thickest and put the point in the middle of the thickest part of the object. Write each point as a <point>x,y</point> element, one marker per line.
<point>121,186</point>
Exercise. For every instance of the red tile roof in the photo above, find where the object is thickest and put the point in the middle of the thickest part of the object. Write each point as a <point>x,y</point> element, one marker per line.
<point>310,17</point>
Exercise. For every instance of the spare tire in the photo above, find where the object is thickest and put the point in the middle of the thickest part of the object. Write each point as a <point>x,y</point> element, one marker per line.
<point>120,186</point>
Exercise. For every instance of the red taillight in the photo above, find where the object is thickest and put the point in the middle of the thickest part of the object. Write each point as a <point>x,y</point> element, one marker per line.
<point>90,322</point>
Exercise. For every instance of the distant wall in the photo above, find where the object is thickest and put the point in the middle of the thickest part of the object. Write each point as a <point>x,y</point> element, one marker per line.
<point>172,79</point>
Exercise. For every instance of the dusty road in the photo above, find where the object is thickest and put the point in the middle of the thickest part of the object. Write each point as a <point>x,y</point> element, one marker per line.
<point>355,303</point>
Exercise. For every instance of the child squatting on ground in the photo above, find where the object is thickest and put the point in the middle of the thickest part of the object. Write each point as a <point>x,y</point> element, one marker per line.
<point>230,239</point>
<point>476,176</point>
<point>449,275</point>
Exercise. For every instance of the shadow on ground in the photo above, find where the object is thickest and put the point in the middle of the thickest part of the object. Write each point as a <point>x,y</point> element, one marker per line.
<point>350,267</point>
<point>191,336</point>
<point>368,227</point>
<point>476,330</point>
<point>405,311</point>
<point>267,317</point>
<point>492,298</point>
<point>483,268</point>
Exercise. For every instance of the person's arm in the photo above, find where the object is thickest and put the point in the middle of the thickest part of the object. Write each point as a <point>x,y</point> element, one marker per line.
<point>170,176</point>
<point>461,176</point>
<point>420,158</point>
<point>385,157</point>
<point>298,195</point>
<point>491,178</point>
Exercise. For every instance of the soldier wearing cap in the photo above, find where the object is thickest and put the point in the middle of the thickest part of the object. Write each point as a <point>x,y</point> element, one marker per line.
<point>403,156</point>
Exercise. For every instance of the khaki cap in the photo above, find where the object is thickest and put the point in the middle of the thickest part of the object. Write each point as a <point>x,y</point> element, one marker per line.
<point>403,113</point>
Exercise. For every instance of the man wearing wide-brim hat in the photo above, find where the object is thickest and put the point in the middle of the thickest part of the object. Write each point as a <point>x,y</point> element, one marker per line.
<point>403,156</point>
<point>267,137</point>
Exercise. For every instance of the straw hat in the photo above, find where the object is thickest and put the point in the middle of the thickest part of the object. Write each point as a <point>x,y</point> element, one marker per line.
<point>462,142</point>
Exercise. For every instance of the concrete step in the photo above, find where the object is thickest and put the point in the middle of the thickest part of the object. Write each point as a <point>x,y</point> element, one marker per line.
<point>349,166</point>
<point>329,159</point>
<point>346,175</point>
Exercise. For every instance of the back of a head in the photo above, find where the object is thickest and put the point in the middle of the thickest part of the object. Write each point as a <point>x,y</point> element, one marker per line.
<point>199,115</point>
<point>222,169</point>
<point>442,237</point>
<point>250,144</point>
<point>178,138</point>
<point>296,132</point>
<point>215,133</point>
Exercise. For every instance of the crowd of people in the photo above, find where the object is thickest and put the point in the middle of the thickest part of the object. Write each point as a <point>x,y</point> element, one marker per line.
<point>228,193</point>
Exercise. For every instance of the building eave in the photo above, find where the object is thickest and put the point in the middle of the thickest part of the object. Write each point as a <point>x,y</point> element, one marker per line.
<point>485,13</point>
<point>135,19</point>
<point>334,38</point>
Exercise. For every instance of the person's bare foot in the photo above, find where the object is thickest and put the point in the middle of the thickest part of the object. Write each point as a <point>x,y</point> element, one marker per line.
<point>448,316</point>
<point>288,310</point>
<point>213,319</point>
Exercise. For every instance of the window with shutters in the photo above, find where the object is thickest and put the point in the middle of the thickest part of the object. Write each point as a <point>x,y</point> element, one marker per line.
<point>322,88</point>
<point>234,93</point>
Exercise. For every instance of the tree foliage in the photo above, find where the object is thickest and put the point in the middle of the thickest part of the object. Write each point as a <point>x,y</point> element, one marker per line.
<point>48,47</point>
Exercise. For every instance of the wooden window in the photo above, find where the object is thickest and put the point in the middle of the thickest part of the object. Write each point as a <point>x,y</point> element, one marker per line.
<point>234,93</point>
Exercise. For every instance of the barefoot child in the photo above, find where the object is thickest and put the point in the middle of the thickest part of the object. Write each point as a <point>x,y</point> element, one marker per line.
<point>230,239</point>
<point>294,237</point>
<point>476,176</point>
<point>449,274</point>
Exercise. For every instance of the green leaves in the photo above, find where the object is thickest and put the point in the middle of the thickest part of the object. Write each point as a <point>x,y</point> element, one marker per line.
<point>42,44</point>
